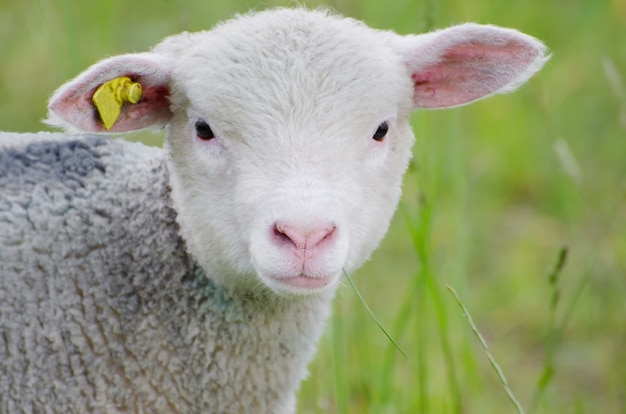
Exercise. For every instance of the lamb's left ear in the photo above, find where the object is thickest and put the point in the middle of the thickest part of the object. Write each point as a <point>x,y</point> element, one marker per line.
<point>464,63</point>
<point>133,92</point>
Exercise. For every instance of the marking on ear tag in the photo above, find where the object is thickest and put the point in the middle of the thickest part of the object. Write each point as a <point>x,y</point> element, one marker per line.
<point>112,95</point>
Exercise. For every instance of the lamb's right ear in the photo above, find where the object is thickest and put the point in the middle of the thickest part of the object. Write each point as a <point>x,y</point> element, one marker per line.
<point>72,106</point>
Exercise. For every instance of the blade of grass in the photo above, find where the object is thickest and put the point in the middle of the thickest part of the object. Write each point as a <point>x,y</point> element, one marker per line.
<point>485,348</point>
<point>420,231</point>
<point>71,36</point>
<point>553,339</point>
<point>400,323</point>
<point>341,393</point>
<point>369,310</point>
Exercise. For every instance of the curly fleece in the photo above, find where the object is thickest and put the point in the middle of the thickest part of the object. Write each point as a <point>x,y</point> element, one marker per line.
<point>103,310</point>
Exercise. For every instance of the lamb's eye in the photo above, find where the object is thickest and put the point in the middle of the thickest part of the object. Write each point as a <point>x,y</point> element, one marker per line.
<point>381,132</point>
<point>203,130</point>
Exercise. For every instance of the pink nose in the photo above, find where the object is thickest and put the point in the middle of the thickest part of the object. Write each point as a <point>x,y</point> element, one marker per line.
<point>306,242</point>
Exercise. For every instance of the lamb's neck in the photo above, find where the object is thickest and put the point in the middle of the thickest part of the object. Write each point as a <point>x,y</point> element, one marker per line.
<point>242,341</point>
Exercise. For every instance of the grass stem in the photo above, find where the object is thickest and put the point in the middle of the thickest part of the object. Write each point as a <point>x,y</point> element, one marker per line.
<point>553,339</point>
<point>341,391</point>
<point>490,357</point>
<point>369,310</point>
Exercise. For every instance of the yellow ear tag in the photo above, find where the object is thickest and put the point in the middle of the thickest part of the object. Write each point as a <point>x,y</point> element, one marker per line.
<point>112,95</point>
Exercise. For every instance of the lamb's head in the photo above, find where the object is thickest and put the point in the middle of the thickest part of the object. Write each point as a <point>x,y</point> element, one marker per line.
<point>288,132</point>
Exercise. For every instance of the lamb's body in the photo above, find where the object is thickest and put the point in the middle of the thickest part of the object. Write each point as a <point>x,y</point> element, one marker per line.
<point>287,139</point>
<point>99,315</point>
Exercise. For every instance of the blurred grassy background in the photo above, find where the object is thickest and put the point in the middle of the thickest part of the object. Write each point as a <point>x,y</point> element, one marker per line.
<point>504,186</point>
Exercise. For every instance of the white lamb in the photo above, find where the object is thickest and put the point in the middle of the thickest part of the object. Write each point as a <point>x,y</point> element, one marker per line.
<point>197,279</point>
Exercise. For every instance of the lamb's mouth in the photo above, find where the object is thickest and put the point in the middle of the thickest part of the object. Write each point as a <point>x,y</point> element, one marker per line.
<point>301,284</point>
<point>306,282</point>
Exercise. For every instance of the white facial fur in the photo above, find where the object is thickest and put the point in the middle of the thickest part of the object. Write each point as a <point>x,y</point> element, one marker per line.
<point>293,110</point>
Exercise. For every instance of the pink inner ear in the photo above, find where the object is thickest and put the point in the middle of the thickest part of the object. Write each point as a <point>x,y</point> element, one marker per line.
<point>437,87</point>
<point>72,104</point>
<point>77,107</point>
<point>152,109</point>
<point>467,72</point>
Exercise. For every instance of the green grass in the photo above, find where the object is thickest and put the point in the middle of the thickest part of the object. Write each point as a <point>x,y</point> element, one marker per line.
<point>496,192</point>
<point>490,358</point>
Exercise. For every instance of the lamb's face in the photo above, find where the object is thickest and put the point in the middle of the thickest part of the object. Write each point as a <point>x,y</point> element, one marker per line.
<point>288,132</point>
<point>287,153</point>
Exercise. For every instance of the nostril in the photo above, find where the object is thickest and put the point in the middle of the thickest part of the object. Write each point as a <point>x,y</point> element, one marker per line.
<point>281,235</point>
<point>321,236</point>
<point>302,239</point>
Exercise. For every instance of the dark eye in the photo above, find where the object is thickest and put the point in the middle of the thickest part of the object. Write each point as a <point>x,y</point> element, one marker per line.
<point>203,130</point>
<point>381,132</point>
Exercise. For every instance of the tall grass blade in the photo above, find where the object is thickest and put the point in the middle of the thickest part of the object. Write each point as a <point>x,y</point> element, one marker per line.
<point>341,392</point>
<point>402,319</point>
<point>420,231</point>
<point>553,333</point>
<point>71,36</point>
<point>553,279</point>
<point>490,357</point>
<point>369,310</point>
